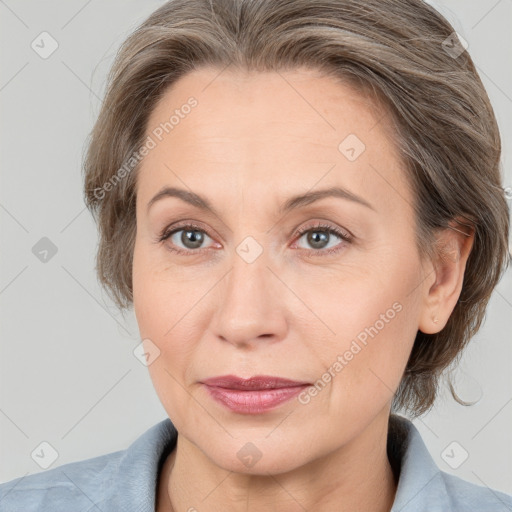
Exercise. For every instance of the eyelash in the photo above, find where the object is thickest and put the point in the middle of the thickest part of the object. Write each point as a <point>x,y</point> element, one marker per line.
<point>326,228</point>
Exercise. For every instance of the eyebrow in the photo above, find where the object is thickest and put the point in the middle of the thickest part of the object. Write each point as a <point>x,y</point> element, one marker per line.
<point>291,204</point>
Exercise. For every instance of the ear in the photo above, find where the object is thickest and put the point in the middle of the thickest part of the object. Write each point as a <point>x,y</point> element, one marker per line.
<point>440,297</point>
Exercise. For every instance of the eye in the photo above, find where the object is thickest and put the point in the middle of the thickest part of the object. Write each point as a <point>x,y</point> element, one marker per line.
<point>320,236</point>
<point>191,236</point>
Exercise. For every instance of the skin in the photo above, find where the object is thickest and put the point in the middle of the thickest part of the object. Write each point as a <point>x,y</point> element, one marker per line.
<point>253,141</point>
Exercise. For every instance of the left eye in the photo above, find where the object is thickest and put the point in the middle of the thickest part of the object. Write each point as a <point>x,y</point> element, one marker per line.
<point>319,237</point>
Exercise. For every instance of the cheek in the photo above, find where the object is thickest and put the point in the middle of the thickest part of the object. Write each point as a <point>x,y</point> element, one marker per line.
<point>370,318</point>
<point>166,318</point>
<point>154,295</point>
<point>168,332</point>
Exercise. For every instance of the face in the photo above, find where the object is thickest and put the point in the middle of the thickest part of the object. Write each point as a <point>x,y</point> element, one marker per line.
<point>323,290</point>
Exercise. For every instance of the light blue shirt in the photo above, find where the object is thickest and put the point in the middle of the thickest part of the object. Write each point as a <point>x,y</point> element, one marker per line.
<point>126,480</point>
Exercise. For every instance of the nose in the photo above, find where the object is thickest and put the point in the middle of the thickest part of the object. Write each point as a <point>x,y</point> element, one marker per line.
<point>252,305</point>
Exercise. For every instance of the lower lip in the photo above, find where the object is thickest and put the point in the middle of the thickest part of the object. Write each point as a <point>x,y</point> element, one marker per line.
<point>253,402</point>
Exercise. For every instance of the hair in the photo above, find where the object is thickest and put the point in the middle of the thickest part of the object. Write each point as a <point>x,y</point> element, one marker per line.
<point>403,53</point>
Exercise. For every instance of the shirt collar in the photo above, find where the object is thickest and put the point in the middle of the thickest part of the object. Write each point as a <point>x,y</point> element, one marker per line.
<point>134,485</point>
<point>419,474</point>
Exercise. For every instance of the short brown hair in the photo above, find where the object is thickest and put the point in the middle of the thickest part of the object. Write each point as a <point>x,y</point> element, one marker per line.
<point>402,52</point>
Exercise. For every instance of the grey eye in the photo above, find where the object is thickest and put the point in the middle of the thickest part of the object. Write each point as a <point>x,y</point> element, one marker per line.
<point>190,238</point>
<point>320,238</point>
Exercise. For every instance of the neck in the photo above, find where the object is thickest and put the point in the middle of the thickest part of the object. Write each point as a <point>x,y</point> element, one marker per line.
<point>358,476</point>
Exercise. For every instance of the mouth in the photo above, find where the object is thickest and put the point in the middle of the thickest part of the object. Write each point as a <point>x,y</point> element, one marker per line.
<point>254,395</point>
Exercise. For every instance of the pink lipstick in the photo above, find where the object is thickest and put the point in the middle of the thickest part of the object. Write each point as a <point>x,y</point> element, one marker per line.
<point>254,395</point>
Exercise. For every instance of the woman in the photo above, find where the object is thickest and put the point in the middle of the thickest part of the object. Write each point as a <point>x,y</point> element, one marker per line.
<point>303,204</point>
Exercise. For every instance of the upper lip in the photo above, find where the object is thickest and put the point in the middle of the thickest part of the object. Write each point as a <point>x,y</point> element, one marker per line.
<point>258,382</point>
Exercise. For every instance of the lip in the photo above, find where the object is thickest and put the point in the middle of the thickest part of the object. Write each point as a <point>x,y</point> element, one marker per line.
<point>254,395</point>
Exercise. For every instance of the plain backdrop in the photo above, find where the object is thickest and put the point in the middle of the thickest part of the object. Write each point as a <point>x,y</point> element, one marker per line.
<point>69,376</point>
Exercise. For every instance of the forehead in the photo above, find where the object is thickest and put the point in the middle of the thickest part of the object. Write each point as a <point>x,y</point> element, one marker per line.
<point>285,130</point>
<point>303,102</point>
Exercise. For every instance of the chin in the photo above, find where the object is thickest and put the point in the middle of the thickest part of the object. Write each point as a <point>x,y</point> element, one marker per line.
<point>256,455</point>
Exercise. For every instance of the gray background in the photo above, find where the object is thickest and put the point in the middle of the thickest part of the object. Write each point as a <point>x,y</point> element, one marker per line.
<point>68,373</point>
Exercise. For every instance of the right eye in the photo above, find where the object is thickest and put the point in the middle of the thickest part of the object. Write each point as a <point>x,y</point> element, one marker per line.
<point>190,236</point>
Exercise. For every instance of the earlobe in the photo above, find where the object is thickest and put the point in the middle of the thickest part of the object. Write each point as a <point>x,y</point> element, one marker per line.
<point>453,246</point>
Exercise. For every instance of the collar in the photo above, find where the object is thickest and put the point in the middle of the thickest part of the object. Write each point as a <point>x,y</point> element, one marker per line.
<point>134,482</point>
<point>419,475</point>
